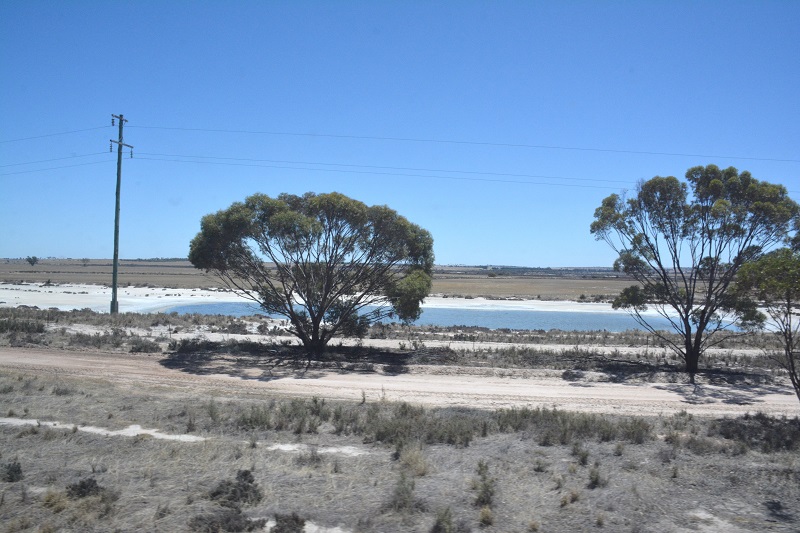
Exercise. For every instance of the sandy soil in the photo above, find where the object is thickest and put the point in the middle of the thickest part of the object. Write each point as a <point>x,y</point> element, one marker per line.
<point>429,385</point>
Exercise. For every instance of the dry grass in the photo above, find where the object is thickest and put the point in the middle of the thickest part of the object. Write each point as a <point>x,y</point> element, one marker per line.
<point>531,287</point>
<point>507,477</point>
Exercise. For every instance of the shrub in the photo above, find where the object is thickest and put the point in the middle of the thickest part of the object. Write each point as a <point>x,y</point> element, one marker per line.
<point>232,493</point>
<point>55,501</point>
<point>61,390</point>
<point>636,430</point>
<point>760,431</point>
<point>235,327</point>
<point>485,518</point>
<point>83,488</point>
<point>193,345</point>
<point>140,345</point>
<point>259,417</point>
<point>11,325</point>
<point>596,479</point>
<point>402,498</point>
<point>444,522</point>
<point>484,486</point>
<point>12,472</point>
<point>225,520</point>
<point>581,453</point>
<point>413,459</point>
<point>288,523</point>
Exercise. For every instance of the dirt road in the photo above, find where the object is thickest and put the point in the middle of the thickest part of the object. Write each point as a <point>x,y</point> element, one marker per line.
<point>429,385</point>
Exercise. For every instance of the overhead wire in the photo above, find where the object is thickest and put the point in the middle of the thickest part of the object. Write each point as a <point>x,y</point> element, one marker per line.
<point>374,169</point>
<point>380,173</point>
<point>51,134</point>
<point>54,168</point>
<point>51,160</point>
<point>468,143</point>
<point>379,167</point>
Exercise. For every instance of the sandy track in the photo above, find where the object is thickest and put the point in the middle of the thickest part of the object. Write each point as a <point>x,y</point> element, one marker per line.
<point>435,385</point>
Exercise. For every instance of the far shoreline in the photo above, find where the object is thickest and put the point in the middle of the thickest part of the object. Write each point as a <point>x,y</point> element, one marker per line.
<point>133,299</point>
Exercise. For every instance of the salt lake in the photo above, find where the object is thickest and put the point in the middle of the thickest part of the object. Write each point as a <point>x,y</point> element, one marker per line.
<point>488,314</point>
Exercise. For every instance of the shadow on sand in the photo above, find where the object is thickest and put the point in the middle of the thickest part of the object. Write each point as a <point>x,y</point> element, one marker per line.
<point>729,386</point>
<point>264,363</point>
<point>742,393</point>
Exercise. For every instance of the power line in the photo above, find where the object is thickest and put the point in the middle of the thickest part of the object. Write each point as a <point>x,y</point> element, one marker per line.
<point>251,162</point>
<point>54,168</point>
<point>51,160</point>
<point>372,173</point>
<point>415,169</point>
<point>51,134</point>
<point>471,143</point>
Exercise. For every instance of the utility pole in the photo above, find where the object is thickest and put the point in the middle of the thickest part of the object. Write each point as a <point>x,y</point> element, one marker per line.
<point>120,144</point>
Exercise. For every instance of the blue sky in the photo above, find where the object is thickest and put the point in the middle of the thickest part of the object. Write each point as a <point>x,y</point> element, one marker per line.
<point>498,126</point>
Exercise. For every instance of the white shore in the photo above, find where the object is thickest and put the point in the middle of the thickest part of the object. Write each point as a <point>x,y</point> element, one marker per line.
<point>152,300</point>
<point>98,297</point>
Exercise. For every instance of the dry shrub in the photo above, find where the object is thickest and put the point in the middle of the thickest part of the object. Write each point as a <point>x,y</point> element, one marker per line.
<point>288,523</point>
<point>413,459</point>
<point>225,520</point>
<point>244,490</point>
<point>12,472</point>
<point>55,501</point>
<point>760,431</point>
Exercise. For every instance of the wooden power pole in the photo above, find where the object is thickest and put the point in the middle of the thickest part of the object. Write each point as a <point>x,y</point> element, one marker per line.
<point>120,144</point>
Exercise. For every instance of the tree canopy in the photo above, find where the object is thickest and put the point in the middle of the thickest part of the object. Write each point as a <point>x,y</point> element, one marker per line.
<point>684,242</point>
<point>330,264</point>
<point>774,280</point>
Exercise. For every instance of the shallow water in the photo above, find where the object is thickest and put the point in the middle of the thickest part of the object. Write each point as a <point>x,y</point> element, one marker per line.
<point>493,318</point>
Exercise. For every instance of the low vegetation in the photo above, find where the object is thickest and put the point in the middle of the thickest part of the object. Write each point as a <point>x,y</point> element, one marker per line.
<point>270,464</point>
<point>378,465</point>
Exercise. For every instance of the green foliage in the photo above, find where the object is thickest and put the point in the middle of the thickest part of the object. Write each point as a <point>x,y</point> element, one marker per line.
<point>32,260</point>
<point>684,242</point>
<point>330,264</point>
<point>775,281</point>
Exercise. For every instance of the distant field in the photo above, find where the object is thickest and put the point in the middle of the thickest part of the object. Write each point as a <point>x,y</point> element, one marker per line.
<point>545,284</point>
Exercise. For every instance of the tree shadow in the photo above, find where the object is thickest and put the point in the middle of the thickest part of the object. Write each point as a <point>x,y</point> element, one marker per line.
<point>742,393</point>
<point>778,511</point>
<point>260,362</point>
<point>610,370</point>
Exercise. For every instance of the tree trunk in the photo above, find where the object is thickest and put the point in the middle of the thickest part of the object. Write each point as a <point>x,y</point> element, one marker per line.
<point>692,362</point>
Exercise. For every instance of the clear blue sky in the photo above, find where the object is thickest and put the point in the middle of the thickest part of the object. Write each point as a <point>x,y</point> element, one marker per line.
<point>554,105</point>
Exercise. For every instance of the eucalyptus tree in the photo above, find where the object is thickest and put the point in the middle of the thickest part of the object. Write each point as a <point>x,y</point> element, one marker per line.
<point>774,280</point>
<point>684,242</point>
<point>330,264</point>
